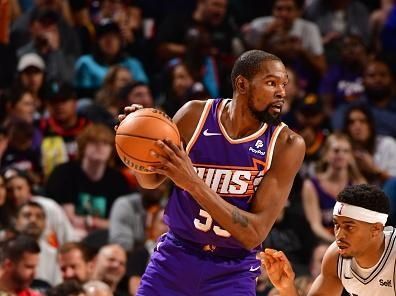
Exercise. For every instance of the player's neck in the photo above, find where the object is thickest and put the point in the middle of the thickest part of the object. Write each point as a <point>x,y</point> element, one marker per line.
<point>238,121</point>
<point>372,255</point>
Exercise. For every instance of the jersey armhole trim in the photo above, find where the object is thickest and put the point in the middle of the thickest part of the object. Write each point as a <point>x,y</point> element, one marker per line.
<point>200,125</point>
<point>271,146</point>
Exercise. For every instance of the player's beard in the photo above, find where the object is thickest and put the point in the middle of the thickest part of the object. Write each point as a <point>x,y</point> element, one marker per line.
<point>265,115</point>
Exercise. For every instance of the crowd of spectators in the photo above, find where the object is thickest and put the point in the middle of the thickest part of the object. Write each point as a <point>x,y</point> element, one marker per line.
<point>73,220</point>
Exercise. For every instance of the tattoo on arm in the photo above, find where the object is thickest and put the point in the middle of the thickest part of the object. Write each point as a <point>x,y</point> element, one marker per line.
<point>238,218</point>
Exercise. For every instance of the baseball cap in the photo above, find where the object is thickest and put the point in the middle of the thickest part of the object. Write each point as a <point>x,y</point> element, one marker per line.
<point>311,104</point>
<point>60,91</point>
<point>30,60</point>
<point>107,27</point>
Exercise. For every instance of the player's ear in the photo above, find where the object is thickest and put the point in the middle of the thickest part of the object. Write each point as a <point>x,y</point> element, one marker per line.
<point>241,84</point>
<point>377,229</point>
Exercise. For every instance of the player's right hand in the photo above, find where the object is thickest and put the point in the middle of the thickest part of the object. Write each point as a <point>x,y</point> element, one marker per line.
<point>127,110</point>
<point>278,268</point>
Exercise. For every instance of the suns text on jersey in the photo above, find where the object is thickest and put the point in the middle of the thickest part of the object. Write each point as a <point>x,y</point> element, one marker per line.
<point>230,182</point>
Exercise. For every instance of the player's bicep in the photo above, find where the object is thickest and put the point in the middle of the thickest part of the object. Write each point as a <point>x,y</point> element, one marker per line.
<point>277,182</point>
<point>328,282</point>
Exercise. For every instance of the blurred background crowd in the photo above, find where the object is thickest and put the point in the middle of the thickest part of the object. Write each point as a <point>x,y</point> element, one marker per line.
<point>73,220</point>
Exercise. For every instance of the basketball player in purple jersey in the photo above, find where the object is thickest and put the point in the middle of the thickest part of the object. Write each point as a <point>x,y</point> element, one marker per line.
<point>232,179</point>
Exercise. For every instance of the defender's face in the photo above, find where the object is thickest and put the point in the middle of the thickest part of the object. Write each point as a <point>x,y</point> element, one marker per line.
<point>353,237</point>
<point>267,90</point>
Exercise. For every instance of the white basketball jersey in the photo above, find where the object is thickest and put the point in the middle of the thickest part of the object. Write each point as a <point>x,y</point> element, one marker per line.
<point>378,280</point>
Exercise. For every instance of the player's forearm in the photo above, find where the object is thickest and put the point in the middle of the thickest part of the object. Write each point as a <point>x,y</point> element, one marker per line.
<point>240,224</point>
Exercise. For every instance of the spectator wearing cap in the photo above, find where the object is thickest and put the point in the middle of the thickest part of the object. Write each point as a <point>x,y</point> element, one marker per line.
<point>46,41</point>
<point>310,121</point>
<point>87,188</point>
<point>58,229</point>
<point>286,20</point>
<point>91,69</point>
<point>31,76</point>
<point>61,127</point>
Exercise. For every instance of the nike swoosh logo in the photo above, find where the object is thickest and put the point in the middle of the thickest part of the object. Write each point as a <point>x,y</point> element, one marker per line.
<point>208,134</point>
<point>254,268</point>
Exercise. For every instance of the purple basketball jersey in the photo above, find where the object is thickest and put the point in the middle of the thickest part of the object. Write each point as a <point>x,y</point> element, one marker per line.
<point>233,168</point>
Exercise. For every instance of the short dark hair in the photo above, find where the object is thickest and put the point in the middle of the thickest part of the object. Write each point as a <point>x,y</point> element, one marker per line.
<point>248,64</point>
<point>87,254</point>
<point>366,196</point>
<point>67,288</point>
<point>15,248</point>
<point>30,203</point>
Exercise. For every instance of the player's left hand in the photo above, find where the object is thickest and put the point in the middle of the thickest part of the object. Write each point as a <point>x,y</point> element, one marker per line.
<point>175,164</point>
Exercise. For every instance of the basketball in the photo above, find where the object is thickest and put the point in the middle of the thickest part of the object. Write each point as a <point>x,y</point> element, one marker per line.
<point>137,134</point>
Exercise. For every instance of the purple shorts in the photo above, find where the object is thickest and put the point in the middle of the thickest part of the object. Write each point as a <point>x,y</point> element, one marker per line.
<point>180,269</point>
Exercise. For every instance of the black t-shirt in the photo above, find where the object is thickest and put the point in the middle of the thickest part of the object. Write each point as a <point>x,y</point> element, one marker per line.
<point>68,184</point>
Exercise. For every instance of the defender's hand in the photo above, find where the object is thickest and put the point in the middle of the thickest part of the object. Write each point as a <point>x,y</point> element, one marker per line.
<point>278,268</point>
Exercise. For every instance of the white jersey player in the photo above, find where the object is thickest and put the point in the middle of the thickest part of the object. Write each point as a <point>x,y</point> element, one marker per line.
<point>361,260</point>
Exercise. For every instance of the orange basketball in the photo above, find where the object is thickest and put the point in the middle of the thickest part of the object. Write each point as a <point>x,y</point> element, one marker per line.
<point>137,133</point>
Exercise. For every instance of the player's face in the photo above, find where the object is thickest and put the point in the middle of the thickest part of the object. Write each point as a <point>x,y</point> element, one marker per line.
<point>353,237</point>
<point>267,92</point>
<point>74,267</point>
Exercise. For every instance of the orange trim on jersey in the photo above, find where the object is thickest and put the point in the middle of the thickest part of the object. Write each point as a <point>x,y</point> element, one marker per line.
<point>253,136</point>
<point>200,125</point>
<point>256,162</point>
<point>271,146</point>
